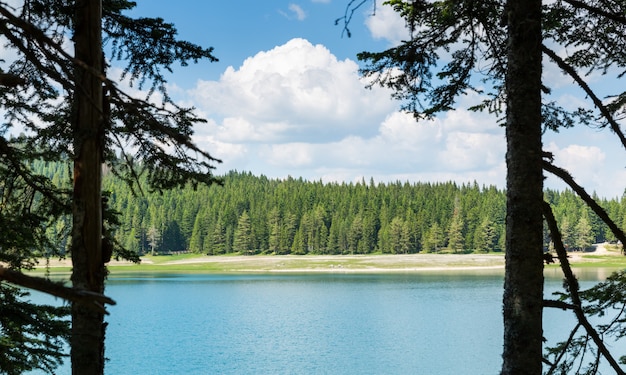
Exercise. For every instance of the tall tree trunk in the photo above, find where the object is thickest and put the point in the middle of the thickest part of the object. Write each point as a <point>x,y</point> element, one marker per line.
<point>523,284</point>
<point>87,342</point>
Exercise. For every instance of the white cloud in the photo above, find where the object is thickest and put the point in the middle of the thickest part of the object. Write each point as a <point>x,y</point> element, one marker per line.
<point>295,12</point>
<point>298,11</point>
<point>297,110</point>
<point>585,156</point>
<point>590,167</point>
<point>387,24</point>
<point>471,151</point>
<point>291,155</point>
<point>294,92</point>
<point>230,153</point>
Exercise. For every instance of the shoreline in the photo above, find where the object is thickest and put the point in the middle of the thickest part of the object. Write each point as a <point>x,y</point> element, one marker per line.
<point>300,263</point>
<point>379,263</point>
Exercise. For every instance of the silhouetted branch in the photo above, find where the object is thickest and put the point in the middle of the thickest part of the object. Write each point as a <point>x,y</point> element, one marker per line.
<point>349,13</point>
<point>35,182</point>
<point>612,16</point>
<point>604,111</point>
<point>595,207</point>
<point>558,304</point>
<point>573,288</point>
<point>93,300</point>
<point>11,80</point>
<point>569,341</point>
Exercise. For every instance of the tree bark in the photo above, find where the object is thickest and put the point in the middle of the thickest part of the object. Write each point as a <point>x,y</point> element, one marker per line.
<point>523,284</point>
<point>87,341</point>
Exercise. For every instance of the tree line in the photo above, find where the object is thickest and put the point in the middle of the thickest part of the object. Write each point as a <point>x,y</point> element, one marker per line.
<point>257,215</point>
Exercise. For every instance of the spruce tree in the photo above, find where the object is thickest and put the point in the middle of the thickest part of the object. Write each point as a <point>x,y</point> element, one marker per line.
<point>583,237</point>
<point>456,238</point>
<point>243,241</point>
<point>73,110</point>
<point>438,62</point>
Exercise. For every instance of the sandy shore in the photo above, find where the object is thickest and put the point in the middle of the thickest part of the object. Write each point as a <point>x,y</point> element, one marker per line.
<point>354,263</point>
<point>318,263</point>
<point>330,263</point>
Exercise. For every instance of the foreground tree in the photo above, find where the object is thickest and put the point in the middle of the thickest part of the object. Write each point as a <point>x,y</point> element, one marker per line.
<point>31,336</point>
<point>455,44</point>
<point>523,280</point>
<point>69,108</point>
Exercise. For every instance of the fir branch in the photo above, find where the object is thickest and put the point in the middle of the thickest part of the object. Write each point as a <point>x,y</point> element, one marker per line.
<point>573,288</point>
<point>604,111</point>
<point>595,207</point>
<point>95,301</point>
<point>598,11</point>
<point>11,80</point>
<point>568,343</point>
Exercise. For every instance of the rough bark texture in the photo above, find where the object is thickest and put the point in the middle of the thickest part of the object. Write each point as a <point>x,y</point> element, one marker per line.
<point>523,285</point>
<point>87,342</point>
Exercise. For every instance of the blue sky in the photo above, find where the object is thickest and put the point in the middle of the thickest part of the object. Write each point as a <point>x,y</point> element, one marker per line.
<point>286,99</point>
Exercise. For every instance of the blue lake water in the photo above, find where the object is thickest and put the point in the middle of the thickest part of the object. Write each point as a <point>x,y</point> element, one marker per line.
<point>427,323</point>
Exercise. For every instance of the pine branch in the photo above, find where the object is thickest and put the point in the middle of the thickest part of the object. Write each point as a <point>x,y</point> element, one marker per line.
<point>569,341</point>
<point>11,80</point>
<point>558,304</point>
<point>595,207</point>
<point>598,11</point>
<point>95,301</point>
<point>349,13</point>
<point>573,287</point>
<point>37,183</point>
<point>604,111</point>
<point>151,115</point>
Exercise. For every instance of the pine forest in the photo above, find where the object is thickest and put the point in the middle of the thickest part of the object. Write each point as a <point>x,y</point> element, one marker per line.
<point>251,214</point>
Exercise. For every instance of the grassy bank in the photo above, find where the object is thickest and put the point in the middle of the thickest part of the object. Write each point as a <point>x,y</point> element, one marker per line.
<point>336,263</point>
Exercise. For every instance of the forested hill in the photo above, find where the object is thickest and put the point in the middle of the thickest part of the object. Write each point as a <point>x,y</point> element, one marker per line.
<point>253,214</point>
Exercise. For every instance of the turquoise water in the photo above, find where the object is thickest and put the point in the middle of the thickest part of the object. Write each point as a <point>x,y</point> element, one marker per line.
<point>429,323</point>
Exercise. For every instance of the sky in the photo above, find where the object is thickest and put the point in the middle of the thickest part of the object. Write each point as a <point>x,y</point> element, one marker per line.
<point>286,99</point>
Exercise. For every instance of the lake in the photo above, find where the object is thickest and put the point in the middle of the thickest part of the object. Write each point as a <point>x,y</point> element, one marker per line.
<point>413,323</point>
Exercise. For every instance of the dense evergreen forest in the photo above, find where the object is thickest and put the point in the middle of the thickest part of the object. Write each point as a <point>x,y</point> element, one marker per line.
<point>257,215</point>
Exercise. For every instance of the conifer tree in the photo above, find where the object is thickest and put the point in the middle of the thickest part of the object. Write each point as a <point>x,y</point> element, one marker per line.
<point>399,240</point>
<point>485,238</point>
<point>434,239</point>
<point>583,237</point>
<point>216,243</point>
<point>274,231</point>
<point>243,241</point>
<point>72,109</point>
<point>567,233</point>
<point>507,39</point>
<point>456,239</point>
<point>153,236</point>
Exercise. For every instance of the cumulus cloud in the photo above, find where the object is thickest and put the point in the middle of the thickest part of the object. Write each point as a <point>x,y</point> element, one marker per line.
<point>387,24</point>
<point>297,110</point>
<point>590,167</point>
<point>294,92</point>
<point>581,161</point>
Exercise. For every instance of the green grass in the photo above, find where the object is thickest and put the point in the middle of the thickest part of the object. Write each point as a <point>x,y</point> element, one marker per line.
<point>307,263</point>
<point>294,263</point>
<point>159,259</point>
<point>193,267</point>
<point>610,261</point>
